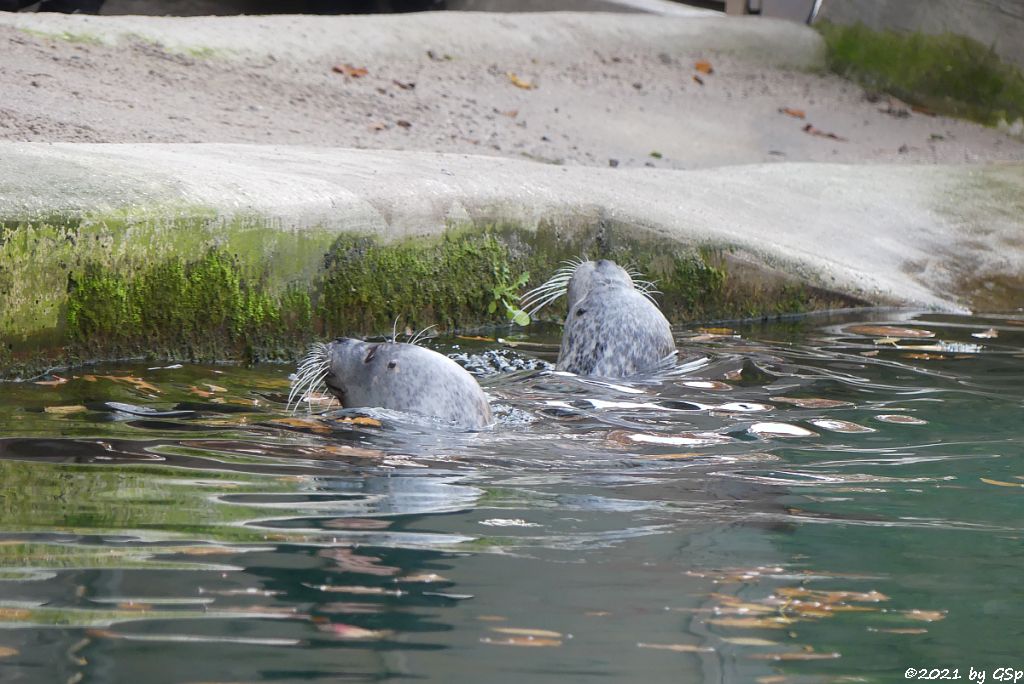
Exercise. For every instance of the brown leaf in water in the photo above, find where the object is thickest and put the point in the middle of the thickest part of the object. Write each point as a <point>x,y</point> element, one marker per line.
<point>888,331</point>
<point>795,113</point>
<point>519,82</point>
<point>15,614</point>
<point>132,605</point>
<point>753,622</point>
<point>1000,483</point>
<point>303,423</point>
<point>57,380</point>
<point>924,356</point>
<point>352,632</point>
<point>215,388</point>
<point>65,410</point>
<point>903,420</point>
<point>350,71</point>
<point>475,338</point>
<point>528,632</point>
<point>362,420</point>
<point>986,334</point>
<point>529,642</point>
<point>728,332</point>
<point>491,618</point>
<point>704,67</point>
<point>7,651</point>
<point>873,352</point>
<point>751,641</point>
<point>355,589</point>
<point>795,655</point>
<point>424,578</point>
<point>844,426</point>
<point>925,615</point>
<point>811,130</point>
<point>205,394</point>
<point>678,648</point>
<point>810,402</point>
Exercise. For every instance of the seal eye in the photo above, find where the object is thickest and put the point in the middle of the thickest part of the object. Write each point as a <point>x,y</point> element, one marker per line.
<point>580,312</point>
<point>392,365</point>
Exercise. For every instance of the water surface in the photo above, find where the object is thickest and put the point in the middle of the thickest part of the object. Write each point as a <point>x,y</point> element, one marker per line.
<point>813,501</point>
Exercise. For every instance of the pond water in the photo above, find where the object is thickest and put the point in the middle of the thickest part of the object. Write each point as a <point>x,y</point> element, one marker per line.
<point>823,500</point>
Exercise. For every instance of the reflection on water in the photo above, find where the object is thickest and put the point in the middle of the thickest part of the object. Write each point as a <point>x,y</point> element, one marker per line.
<point>825,500</point>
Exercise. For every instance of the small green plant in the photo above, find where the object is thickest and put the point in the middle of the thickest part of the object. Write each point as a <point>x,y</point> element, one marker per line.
<point>506,294</point>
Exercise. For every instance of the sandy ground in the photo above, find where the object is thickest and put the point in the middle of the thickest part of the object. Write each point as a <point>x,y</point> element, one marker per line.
<point>602,108</point>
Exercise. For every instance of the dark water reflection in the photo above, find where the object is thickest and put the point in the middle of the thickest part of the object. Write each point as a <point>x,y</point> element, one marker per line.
<point>810,501</point>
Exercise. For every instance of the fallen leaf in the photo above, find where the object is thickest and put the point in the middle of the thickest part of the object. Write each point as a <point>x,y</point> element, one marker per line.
<point>215,388</point>
<point>795,113</point>
<point>888,331</point>
<point>349,70</point>
<point>753,622</point>
<point>678,648</point>
<point>7,651</point>
<point>304,423</point>
<point>522,631</point>
<point>986,334</point>
<point>362,420</point>
<point>796,655</point>
<point>475,338</point>
<point>1000,483</point>
<point>518,82</point>
<point>378,126</point>
<point>704,67</point>
<point>873,352</point>
<point>529,642</point>
<point>491,618</point>
<point>925,615</point>
<point>923,110</point>
<point>811,402</point>
<point>905,420</point>
<point>57,380</point>
<point>729,332</point>
<point>407,85</point>
<point>65,410</point>
<point>697,79</point>
<point>206,394</point>
<point>811,130</point>
<point>751,641</point>
<point>656,154</point>
<point>402,123</point>
<point>511,113</point>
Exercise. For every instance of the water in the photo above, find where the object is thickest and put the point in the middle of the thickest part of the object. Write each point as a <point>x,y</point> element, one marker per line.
<point>805,502</point>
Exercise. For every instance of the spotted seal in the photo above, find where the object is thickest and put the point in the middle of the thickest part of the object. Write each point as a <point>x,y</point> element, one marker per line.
<point>613,327</point>
<point>393,375</point>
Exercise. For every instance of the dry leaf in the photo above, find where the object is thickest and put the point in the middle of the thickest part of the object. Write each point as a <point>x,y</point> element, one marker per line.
<point>522,631</point>
<point>7,651</point>
<point>407,85</point>
<point>529,642</point>
<point>751,641</point>
<point>402,123</point>
<point>304,423</point>
<point>349,70</point>
<point>795,113</point>
<point>362,420</point>
<point>925,615</point>
<point>65,410</point>
<point>986,334</point>
<point>810,402</point>
<point>518,82</point>
<point>753,622</point>
<point>698,80</point>
<point>475,338</point>
<point>887,331</point>
<point>811,130</point>
<point>1000,483</point>
<point>728,332</point>
<point>704,67</point>
<point>678,648</point>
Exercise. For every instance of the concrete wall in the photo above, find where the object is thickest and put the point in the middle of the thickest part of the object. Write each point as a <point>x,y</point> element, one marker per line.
<point>999,23</point>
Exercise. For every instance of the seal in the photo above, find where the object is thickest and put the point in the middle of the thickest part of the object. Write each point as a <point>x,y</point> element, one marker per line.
<point>393,375</point>
<point>613,327</point>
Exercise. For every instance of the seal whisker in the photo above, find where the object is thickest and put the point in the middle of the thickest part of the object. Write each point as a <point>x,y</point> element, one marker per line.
<point>417,336</point>
<point>545,302</point>
<point>312,370</point>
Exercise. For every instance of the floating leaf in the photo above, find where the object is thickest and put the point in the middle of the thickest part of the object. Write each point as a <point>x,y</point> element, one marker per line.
<point>795,113</point>
<point>57,380</point>
<point>353,632</point>
<point>888,331</point>
<point>350,71</point>
<point>728,332</point>
<point>491,618</point>
<point>924,615</point>
<point>811,402</point>
<point>518,82</point>
<point>796,655</point>
<point>476,338</point>
<point>780,430</point>
<point>362,420</point>
<point>303,423</point>
<point>65,410</point>
<point>905,420</point>
<point>751,641</point>
<point>840,426</point>
<point>678,648</point>
<point>753,622</point>
<point>707,385</point>
<point>681,439</point>
<point>1000,483</point>
<point>7,651</point>
<point>704,67</point>
<point>522,631</point>
<point>529,642</point>
<point>986,334</point>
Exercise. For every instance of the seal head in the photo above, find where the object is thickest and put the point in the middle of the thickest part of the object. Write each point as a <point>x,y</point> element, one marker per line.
<point>397,376</point>
<point>613,329</point>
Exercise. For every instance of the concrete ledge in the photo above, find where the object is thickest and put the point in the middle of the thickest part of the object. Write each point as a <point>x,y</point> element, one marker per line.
<point>256,249</point>
<point>484,36</point>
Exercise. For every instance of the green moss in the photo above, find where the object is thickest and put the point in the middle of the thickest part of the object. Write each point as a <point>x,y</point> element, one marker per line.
<point>947,73</point>
<point>67,36</point>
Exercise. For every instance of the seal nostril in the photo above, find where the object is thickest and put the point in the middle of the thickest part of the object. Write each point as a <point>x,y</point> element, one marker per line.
<point>580,312</point>
<point>392,364</point>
